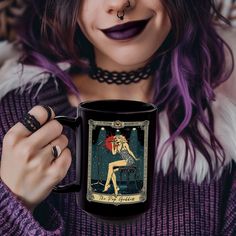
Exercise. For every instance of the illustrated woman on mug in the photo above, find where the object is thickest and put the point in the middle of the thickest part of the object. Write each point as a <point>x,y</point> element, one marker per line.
<point>170,53</point>
<point>120,146</point>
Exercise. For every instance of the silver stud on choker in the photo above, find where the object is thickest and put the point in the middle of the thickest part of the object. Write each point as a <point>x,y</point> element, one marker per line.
<point>104,76</point>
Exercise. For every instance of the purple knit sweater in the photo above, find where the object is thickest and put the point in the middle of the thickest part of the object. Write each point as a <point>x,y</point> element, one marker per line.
<point>178,207</point>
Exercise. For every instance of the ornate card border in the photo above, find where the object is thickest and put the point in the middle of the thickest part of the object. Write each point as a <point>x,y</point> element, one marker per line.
<point>112,198</point>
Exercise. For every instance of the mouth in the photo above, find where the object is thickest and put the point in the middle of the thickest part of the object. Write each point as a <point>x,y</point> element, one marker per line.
<point>127,30</point>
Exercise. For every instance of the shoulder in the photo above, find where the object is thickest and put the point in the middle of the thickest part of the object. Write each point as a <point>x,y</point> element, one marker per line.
<point>16,99</point>
<point>15,103</point>
<point>22,87</point>
<point>228,88</point>
<point>8,50</point>
<point>126,145</point>
<point>16,76</point>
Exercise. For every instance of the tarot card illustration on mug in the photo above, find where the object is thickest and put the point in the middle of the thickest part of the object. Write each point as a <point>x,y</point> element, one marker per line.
<point>117,162</point>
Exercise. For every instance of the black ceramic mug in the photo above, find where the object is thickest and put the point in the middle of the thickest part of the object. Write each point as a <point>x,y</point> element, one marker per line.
<point>115,150</point>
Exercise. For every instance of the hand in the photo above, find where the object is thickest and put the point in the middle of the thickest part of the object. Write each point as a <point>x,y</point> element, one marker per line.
<point>115,143</point>
<point>28,166</point>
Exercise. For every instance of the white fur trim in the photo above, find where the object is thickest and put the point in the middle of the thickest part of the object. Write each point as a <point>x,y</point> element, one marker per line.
<point>15,76</point>
<point>7,51</point>
<point>11,77</point>
<point>225,130</point>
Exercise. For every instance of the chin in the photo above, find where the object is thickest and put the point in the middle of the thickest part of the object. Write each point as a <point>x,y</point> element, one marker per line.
<point>131,60</point>
<point>137,56</point>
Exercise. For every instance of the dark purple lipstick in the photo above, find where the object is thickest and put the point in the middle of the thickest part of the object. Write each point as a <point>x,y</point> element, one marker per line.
<point>126,31</point>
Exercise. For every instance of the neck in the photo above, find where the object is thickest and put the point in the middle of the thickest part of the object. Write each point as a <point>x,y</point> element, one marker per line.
<point>93,90</point>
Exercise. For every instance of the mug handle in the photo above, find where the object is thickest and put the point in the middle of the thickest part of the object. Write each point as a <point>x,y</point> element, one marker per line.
<point>72,123</point>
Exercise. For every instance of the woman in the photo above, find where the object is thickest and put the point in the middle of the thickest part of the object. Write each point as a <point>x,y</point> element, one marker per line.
<point>186,70</point>
<point>121,146</point>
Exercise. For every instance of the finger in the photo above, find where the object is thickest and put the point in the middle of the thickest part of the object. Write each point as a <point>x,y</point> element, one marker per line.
<point>46,153</point>
<point>60,166</point>
<point>41,115</point>
<point>46,134</point>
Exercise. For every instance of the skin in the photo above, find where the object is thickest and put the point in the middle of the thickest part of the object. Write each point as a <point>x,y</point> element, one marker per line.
<point>27,165</point>
<point>117,147</point>
<point>129,54</point>
<point>125,55</point>
<point>229,86</point>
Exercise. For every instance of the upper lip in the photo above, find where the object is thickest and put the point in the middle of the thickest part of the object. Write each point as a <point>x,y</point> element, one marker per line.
<point>125,26</point>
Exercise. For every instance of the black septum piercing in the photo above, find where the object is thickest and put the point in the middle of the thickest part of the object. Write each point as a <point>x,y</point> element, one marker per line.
<point>121,14</point>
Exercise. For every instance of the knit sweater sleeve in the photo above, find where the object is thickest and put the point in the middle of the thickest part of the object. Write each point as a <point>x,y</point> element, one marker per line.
<point>15,218</point>
<point>229,221</point>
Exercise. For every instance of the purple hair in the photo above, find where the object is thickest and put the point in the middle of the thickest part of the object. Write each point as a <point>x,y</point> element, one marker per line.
<point>191,64</point>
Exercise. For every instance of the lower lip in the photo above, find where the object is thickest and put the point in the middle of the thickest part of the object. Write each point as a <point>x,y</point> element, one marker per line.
<point>127,34</point>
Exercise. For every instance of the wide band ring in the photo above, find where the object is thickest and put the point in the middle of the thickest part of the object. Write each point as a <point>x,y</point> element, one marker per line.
<point>49,111</point>
<point>30,123</point>
<point>56,151</point>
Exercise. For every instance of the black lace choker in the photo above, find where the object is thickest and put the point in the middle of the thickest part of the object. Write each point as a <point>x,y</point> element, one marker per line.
<point>104,76</point>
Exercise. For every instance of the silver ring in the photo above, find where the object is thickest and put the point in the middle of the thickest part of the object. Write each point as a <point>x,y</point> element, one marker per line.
<point>56,151</point>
